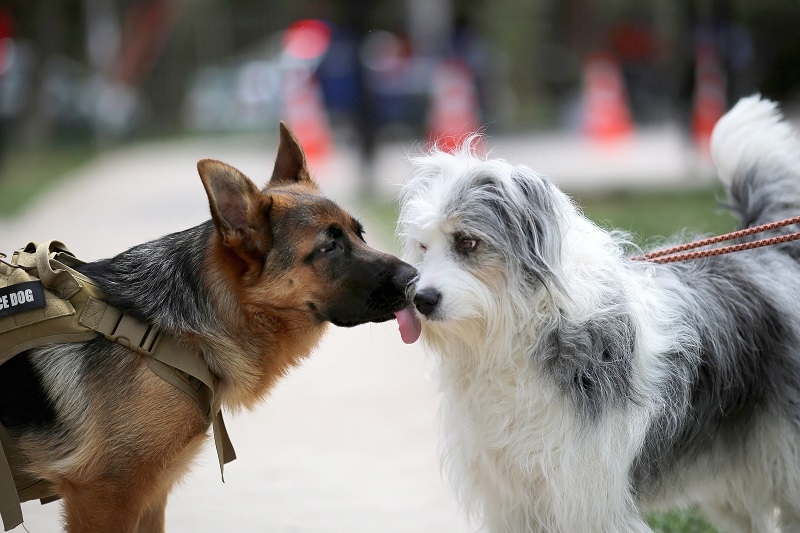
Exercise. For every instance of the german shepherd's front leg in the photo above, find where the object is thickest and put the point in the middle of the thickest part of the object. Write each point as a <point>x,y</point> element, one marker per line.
<point>152,521</point>
<point>101,506</point>
<point>123,472</point>
<point>104,506</point>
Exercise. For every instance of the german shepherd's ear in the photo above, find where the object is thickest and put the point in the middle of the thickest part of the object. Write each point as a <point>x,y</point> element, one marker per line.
<point>239,210</point>
<point>290,163</point>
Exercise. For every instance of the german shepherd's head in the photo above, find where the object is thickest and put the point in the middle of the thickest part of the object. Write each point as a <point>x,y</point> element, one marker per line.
<point>288,250</point>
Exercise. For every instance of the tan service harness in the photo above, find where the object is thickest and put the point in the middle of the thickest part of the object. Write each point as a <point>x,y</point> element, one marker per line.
<point>73,310</point>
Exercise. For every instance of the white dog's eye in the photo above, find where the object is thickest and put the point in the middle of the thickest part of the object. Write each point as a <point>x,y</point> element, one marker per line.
<point>467,244</point>
<point>422,247</point>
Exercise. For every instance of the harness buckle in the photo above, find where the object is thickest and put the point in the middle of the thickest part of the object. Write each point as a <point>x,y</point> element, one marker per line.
<point>135,335</point>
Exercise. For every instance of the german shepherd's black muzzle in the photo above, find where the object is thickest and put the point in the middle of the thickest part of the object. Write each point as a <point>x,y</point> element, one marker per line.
<point>373,286</point>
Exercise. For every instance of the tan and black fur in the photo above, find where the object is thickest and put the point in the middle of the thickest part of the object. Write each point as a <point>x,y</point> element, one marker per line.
<point>252,290</point>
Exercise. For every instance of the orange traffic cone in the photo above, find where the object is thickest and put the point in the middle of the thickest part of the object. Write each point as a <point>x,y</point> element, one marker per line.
<point>606,116</point>
<point>709,96</point>
<point>304,112</point>
<point>454,113</point>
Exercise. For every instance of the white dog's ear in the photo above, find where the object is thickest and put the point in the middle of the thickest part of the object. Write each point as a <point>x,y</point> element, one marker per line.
<point>540,213</point>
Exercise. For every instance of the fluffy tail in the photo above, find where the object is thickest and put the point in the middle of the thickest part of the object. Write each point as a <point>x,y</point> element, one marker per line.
<point>757,155</point>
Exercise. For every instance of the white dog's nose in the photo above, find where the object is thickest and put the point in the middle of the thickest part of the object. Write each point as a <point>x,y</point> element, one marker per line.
<point>426,300</point>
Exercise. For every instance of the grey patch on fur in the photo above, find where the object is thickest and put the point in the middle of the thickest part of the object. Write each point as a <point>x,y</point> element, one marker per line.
<point>591,361</point>
<point>745,366</point>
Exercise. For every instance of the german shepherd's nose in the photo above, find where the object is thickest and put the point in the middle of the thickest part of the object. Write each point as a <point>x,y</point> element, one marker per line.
<point>404,276</point>
<point>371,287</point>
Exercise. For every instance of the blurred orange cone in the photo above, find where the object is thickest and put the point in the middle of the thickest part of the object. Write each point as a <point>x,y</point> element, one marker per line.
<point>709,96</point>
<point>304,112</point>
<point>606,116</point>
<point>454,113</point>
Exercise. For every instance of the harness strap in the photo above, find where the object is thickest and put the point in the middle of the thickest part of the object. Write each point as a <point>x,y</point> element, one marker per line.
<point>17,485</point>
<point>10,509</point>
<point>164,354</point>
<point>69,293</point>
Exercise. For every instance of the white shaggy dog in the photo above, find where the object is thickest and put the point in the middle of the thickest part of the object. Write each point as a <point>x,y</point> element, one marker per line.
<point>580,386</point>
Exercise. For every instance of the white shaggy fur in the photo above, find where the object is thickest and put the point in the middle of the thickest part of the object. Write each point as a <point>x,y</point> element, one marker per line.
<point>756,131</point>
<point>579,386</point>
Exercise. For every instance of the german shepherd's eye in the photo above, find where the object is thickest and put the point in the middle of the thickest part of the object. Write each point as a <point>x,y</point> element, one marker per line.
<point>333,232</point>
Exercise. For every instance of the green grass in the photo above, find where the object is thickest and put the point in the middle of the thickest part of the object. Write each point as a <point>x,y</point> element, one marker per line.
<point>653,214</point>
<point>647,216</point>
<point>25,173</point>
<point>679,522</point>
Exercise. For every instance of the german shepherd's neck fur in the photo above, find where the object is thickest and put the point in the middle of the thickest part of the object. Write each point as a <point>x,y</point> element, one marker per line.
<point>204,313</point>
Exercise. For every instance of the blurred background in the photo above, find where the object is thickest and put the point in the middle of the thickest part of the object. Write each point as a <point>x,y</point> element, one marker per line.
<point>89,74</point>
<point>106,105</point>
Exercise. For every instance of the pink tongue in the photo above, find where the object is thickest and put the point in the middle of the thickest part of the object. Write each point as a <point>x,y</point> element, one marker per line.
<point>409,325</point>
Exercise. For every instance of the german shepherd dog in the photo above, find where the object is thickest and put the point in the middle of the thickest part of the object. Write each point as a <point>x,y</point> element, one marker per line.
<point>252,290</point>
